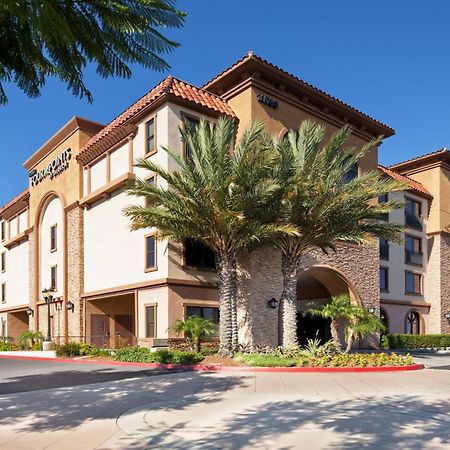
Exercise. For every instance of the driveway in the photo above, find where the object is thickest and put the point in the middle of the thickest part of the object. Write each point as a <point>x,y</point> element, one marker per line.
<point>185,410</point>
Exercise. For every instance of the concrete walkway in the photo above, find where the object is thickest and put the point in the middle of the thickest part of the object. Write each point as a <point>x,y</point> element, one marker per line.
<point>407,410</point>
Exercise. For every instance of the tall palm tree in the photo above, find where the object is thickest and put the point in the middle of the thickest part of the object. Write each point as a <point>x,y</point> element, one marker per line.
<point>339,308</point>
<point>208,198</point>
<point>325,207</point>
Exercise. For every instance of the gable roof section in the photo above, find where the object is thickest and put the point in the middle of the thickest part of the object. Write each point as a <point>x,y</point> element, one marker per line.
<point>413,185</point>
<point>121,126</point>
<point>70,127</point>
<point>442,154</point>
<point>15,205</point>
<point>250,59</point>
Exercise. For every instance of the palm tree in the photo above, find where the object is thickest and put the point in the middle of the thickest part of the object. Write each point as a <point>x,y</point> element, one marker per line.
<point>39,39</point>
<point>324,206</point>
<point>361,324</point>
<point>210,199</point>
<point>195,330</point>
<point>339,308</point>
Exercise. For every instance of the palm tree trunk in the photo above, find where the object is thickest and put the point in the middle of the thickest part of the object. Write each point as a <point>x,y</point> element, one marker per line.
<point>226,269</point>
<point>349,340</point>
<point>335,332</point>
<point>289,301</point>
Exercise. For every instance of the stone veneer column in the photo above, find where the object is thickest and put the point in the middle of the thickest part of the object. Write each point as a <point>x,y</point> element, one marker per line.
<point>437,282</point>
<point>75,271</point>
<point>32,276</point>
<point>260,279</point>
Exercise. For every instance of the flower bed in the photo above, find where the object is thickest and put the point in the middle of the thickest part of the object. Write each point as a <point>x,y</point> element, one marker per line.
<point>340,360</point>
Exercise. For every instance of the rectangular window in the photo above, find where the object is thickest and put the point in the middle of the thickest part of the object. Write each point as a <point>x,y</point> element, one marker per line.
<point>413,250</point>
<point>3,292</point>
<point>413,214</point>
<point>384,278</point>
<point>53,278</point>
<point>152,181</point>
<point>3,262</point>
<point>150,252</point>
<point>384,249</point>
<point>53,238</point>
<point>384,199</point>
<point>191,122</point>
<point>3,231</point>
<point>197,254</point>
<point>150,321</point>
<point>205,312</point>
<point>413,283</point>
<point>150,141</point>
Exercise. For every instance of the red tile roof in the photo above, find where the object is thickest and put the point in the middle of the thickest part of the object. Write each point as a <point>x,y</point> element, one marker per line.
<point>23,196</point>
<point>443,153</point>
<point>170,86</point>
<point>413,185</point>
<point>250,56</point>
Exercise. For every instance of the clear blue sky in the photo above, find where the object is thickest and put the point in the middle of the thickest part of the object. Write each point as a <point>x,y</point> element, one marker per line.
<point>390,59</point>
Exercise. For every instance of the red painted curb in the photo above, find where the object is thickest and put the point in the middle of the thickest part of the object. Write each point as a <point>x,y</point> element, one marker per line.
<point>220,368</point>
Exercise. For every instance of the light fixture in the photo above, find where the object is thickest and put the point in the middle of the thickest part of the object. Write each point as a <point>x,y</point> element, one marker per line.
<point>30,312</point>
<point>371,310</point>
<point>273,303</point>
<point>70,306</point>
<point>447,315</point>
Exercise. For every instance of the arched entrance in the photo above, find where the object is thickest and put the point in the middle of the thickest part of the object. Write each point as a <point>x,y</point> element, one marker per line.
<point>318,284</point>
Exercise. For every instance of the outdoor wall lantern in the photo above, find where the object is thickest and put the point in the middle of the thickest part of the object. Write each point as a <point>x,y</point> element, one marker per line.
<point>70,306</point>
<point>447,315</point>
<point>273,303</point>
<point>30,312</point>
<point>371,310</point>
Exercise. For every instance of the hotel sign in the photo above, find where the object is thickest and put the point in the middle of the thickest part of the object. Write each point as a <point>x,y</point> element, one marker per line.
<point>53,168</point>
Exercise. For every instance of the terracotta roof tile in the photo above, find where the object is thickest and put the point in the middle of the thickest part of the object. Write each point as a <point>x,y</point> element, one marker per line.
<point>22,196</point>
<point>170,86</point>
<point>251,56</point>
<point>445,152</point>
<point>413,185</point>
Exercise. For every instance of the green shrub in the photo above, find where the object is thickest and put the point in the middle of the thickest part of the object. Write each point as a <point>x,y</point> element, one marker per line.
<point>80,349</point>
<point>396,341</point>
<point>262,360</point>
<point>145,355</point>
<point>6,347</point>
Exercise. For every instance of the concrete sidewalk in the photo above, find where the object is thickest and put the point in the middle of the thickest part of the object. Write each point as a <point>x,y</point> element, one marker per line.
<point>235,411</point>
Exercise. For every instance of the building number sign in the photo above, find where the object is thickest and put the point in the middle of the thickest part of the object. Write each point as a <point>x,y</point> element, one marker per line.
<point>267,101</point>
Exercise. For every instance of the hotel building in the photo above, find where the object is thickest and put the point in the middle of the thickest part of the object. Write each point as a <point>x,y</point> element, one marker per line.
<point>113,286</point>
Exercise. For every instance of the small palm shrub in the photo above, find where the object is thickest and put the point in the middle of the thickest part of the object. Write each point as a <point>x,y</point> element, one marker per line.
<point>195,330</point>
<point>314,349</point>
<point>30,340</point>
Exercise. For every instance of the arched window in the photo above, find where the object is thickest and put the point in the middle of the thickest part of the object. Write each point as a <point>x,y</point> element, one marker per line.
<point>412,323</point>
<point>385,320</point>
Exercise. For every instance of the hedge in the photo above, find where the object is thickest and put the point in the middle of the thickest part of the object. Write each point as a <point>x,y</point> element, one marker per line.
<point>143,354</point>
<point>399,341</point>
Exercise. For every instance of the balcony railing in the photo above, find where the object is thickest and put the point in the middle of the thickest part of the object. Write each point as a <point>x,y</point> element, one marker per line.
<point>414,258</point>
<point>413,221</point>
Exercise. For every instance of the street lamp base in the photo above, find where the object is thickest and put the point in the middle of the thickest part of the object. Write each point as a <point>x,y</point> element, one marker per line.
<point>47,346</point>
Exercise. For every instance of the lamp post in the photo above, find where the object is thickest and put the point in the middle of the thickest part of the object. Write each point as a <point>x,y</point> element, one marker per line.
<point>48,298</point>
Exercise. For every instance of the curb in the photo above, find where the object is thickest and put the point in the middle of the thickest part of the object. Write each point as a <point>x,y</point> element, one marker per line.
<point>220,368</point>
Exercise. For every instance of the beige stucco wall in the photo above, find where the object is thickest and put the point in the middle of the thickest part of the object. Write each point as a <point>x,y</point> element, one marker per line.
<point>288,116</point>
<point>396,315</point>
